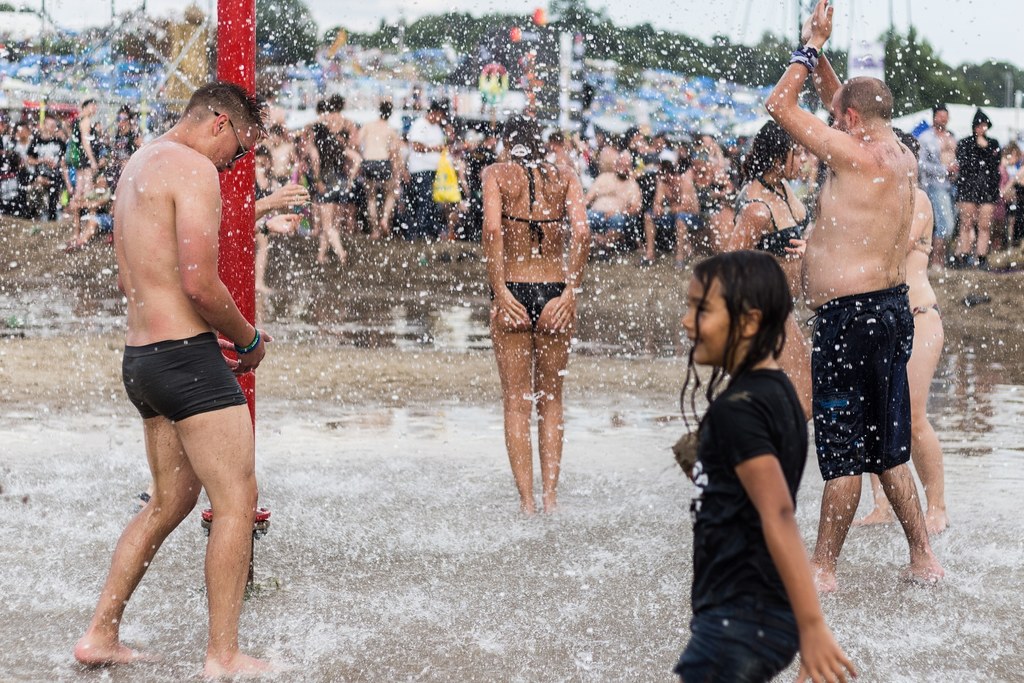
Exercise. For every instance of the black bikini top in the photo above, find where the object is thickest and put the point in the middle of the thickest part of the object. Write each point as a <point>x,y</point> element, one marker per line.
<point>536,232</point>
<point>777,241</point>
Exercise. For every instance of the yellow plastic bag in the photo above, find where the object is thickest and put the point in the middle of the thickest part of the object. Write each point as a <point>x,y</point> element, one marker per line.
<point>446,181</point>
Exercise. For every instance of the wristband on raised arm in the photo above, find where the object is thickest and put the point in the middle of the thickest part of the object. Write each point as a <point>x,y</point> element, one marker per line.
<point>807,56</point>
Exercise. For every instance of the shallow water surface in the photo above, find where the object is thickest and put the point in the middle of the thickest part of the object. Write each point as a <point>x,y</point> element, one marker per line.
<point>400,554</point>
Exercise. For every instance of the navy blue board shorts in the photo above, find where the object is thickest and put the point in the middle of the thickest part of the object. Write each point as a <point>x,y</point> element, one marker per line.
<point>179,378</point>
<point>861,345</point>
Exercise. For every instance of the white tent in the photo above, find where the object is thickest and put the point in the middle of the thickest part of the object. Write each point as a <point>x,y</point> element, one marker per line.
<point>20,25</point>
<point>1007,122</point>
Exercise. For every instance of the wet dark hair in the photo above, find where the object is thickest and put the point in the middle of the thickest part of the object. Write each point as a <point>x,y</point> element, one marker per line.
<point>748,281</point>
<point>385,109</point>
<point>909,141</point>
<point>230,99</point>
<point>335,103</point>
<point>936,108</point>
<point>771,146</point>
<point>526,131</point>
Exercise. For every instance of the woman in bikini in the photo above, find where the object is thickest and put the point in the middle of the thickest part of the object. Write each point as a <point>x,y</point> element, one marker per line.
<point>770,218</point>
<point>533,215</point>
<point>925,451</point>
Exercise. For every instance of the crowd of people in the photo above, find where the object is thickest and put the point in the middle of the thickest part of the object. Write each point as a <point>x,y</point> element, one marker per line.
<point>54,167</point>
<point>645,193</point>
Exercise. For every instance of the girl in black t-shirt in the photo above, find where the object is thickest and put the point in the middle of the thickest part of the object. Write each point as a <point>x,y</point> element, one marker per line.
<point>754,601</point>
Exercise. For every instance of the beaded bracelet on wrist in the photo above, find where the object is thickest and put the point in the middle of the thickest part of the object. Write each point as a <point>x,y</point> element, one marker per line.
<point>252,345</point>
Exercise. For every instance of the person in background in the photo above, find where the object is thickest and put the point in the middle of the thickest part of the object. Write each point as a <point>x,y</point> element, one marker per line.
<point>536,243</point>
<point>925,449</point>
<point>83,163</point>
<point>937,169</point>
<point>770,218</point>
<point>427,140</point>
<point>379,145</point>
<point>46,153</point>
<point>977,191</point>
<point>613,202</point>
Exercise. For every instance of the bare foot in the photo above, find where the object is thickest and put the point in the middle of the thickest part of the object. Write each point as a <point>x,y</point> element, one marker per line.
<point>238,666</point>
<point>527,507</point>
<point>550,505</point>
<point>94,654</point>
<point>876,516</point>
<point>824,580</point>
<point>935,521</point>
<point>924,572</point>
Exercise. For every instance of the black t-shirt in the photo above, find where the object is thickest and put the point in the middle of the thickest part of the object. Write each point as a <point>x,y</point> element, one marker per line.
<point>758,414</point>
<point>43,149</point>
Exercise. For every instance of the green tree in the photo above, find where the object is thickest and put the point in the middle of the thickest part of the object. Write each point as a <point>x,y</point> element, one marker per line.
<point>285,32</point>
<point>915,74</point>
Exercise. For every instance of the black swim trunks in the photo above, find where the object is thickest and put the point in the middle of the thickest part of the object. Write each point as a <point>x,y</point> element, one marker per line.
<point>534,296</point>
<point>374,169</point>
<point>179,378</point>
<point>861,345</point>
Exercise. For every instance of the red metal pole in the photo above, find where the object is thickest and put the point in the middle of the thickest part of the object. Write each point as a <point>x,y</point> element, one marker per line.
<point>236,62</point>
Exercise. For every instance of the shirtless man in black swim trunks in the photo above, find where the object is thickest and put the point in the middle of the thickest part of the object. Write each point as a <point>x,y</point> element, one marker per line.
<point>533,214</point>
<point>854,278</point>
<point>197,427</point>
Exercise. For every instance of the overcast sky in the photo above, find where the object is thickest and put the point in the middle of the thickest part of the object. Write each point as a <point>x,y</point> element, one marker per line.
<point>961,30</point>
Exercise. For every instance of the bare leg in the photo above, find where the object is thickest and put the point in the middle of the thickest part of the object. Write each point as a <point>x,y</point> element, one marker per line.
<point>549,375</point>
<point>938,251</point>
<point>926,451</point>
<point>899,486</point>
<point>795,361</point>
<point>220,447</point>
<point>329,235</point>
<point>968,224</point>
<point>175,490</point>
<point>325,216</point>
<point>372,213</point>
<point>838,505</point>
<point>262,249</point>
<point>649,236</point>
<point>683,247</point>
<point>514,353</point>
<point>390,196</point>
<point>882,512</point>
<point>347,218</point>
<point>985,216</point>
<point>83,186</point>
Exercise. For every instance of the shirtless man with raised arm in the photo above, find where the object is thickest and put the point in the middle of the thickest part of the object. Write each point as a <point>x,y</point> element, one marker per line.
<point>854,279</point>
<point>197,427</point>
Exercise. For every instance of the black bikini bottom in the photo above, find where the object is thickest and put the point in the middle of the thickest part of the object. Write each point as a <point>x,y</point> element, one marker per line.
<point>534,296</point>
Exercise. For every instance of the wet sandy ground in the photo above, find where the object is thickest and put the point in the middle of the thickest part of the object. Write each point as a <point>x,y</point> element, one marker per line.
<point>395,537</point>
